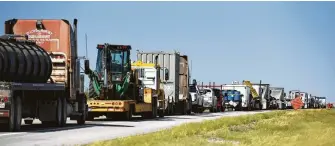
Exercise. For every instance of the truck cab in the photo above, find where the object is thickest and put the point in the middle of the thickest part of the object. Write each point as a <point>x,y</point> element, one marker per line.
<point>210,99</point>
<point>197,98</point>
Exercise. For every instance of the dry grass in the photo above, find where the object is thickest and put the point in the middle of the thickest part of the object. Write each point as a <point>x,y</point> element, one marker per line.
<point>280,128</point>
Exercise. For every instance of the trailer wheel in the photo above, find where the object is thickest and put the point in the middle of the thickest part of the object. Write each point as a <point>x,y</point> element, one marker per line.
<point>15,116</point>
<point>64,111</point>
<point>161,113</point>
<point>83,108</point>
<point>154,106</point>
<point>60,112</point>
<point>183,107</point>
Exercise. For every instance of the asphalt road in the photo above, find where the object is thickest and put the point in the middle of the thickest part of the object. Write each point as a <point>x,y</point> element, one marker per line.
<point>100,129</point>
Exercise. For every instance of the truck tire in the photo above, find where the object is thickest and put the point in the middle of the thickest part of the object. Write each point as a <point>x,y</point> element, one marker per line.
<point>154,106</point>
<point>183,107</point>
<point>161,113</point>
<point>153,114</point>
<point>60,116</point>
<point>84,110</point>
<point>15,116</point>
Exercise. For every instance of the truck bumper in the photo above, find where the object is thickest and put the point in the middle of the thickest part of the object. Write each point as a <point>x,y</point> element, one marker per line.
<point>208,104</point>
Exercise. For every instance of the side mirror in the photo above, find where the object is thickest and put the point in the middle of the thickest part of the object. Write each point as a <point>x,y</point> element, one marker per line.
<point>87,66</point>
<point>284,94</point>
<point>166,74</point>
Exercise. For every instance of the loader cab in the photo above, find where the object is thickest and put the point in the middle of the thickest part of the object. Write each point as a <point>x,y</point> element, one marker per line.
<point>118,61</point>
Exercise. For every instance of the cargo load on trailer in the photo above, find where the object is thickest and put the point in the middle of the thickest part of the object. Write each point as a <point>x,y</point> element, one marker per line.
<point>120,89</point>
<point>177,97</point>
<point>40,73</point>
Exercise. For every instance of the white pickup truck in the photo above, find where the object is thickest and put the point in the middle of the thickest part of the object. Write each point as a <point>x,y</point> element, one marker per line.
<point>210,100</point>
<point>197,99</point>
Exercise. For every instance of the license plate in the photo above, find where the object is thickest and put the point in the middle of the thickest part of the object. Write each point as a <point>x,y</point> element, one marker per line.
<point>2,105</point>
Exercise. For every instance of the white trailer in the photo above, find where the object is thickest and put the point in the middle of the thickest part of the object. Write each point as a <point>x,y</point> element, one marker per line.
<point>244,91</point>
<point>177,97</point>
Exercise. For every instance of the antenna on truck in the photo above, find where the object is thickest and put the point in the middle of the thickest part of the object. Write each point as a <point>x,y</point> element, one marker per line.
<point>86,44</point>
<point>191,69</point>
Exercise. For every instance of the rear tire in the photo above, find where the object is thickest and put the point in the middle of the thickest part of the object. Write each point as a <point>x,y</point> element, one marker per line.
<point>161,113</point>
<point>15,115</point>
<point>60,120</point>
<point>84,110</point>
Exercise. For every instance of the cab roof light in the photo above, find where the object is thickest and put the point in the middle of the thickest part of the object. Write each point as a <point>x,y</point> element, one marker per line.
<point>101,46</point>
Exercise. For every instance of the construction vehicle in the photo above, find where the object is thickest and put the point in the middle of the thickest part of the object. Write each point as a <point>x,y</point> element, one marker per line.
<point>120,89</point>
<point>277,98</point>
<point>177,97</point>
<point>40,73</point>
<point>197,98</point>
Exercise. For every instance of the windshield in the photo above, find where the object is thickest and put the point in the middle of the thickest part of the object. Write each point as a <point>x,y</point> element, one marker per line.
<point>119,60</point>
<point>192,89</point>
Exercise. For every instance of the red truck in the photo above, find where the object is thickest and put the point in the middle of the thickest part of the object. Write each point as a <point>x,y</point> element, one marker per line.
<point>40,73</point>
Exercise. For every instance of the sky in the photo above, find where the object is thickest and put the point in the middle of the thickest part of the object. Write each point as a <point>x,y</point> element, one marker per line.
<point>285,44</point>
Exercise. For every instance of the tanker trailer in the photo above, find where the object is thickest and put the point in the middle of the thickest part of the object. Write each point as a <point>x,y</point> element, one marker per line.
<point>40,74</point>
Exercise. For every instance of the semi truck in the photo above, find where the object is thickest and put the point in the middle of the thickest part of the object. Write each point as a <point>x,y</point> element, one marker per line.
<point>245,95</point>
<point>177,97</point>
<point>321,102</point>
<point>277,98</point>
<point>40,73</point>
<point>291,95</point>
<point>304,99</point>
<point>121,89</point>
<point>232,99</point>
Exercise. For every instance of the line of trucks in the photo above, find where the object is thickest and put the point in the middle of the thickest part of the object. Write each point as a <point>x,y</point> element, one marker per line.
<point>41,77</point>
<point>253,96</point>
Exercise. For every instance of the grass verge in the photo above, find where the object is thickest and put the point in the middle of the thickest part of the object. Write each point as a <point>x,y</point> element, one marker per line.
<point>279,128</point>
